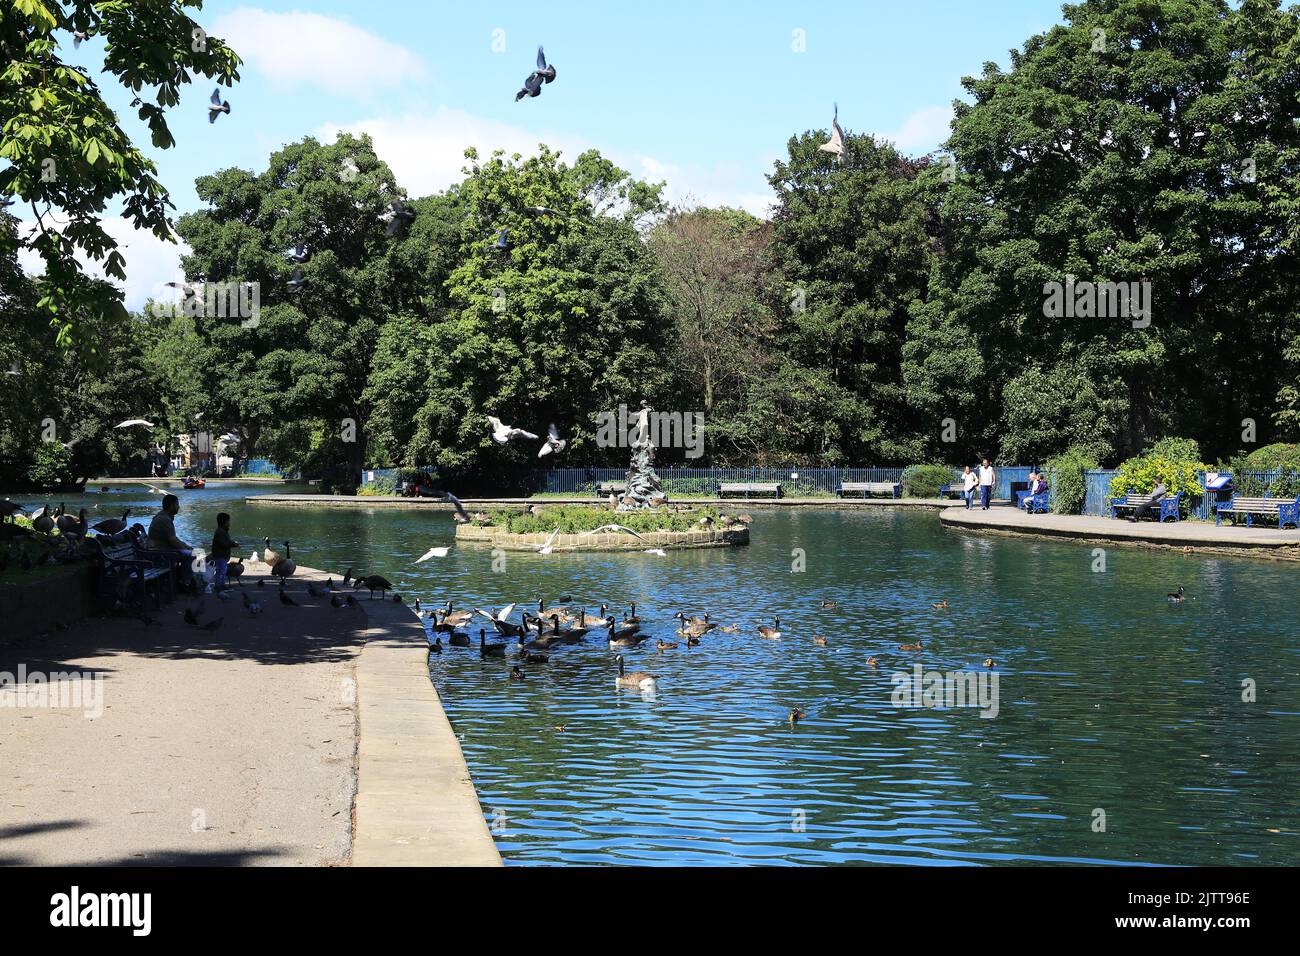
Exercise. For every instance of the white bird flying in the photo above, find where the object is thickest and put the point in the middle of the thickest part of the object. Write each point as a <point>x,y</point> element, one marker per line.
<point>836,143</point>
<point>133,421</point>
<point>502,433</point>
<point>553,443</point>
<point>660,552</point>
<point>433,553</point>
<point>546,548</point>
<point>498,617</point>
<point>613,527</point>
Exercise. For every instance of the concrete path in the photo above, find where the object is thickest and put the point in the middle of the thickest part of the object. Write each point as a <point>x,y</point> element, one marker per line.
<point>1260,541</point>
<point>416,804</point>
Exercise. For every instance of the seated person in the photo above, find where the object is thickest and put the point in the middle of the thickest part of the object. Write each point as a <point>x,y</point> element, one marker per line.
<point>162,537</point>
<point>1157,493</point>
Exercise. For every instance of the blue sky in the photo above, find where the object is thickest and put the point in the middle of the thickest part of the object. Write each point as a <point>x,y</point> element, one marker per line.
<point>701,94</point>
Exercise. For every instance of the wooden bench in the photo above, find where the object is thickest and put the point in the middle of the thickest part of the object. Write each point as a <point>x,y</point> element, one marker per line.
<point>1035,504</point>
<point>1132,501</point>
<point>891,488</point>
<point>121,564</point>
<point>954,490</point>
<point>749,488</point>
<point>607,488</point>
<point>1285,510</point>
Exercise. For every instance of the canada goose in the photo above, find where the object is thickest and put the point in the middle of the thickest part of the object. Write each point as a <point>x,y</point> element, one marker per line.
<point>990,662</point>
<point>565,614</point>
<point>631,618</point>
<point>436,646</point>
<point>373,582</point>
<point>573,635</point>
<point>269,556</point>
<point>72,527</point>
<point>796,715</point>
<point>691,640</point>
<point>504,627</point>
<point>10,508</point>
<point>587,620</point>
<point>458,639</point>
<point>624,637</point>
<point>819,641</point>
<point>530,657</point>
<point>516,673</point>
<point>284,567</point>
<point>489,650</point>
<point>638,679</point>
<point>111,525</point>
<point>43,521</point>
<point>1176,597</point>
<point>910,647</point>
<point>664,645</point>
<point>235,571</point>
<point>773,632</point>
<point>449,619</point>
<point>940,606</point>
<point>695,627</point>
<point>872,663</point>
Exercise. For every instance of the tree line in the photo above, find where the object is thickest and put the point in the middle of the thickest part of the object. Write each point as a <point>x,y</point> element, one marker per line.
<point>892,310</point>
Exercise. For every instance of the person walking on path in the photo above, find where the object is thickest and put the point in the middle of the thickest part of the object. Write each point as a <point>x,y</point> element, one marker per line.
<point>969,482</point>
<point>987,477</point>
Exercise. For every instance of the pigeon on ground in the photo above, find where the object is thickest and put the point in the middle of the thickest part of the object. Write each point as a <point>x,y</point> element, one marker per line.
<point>543,74</point>
<point>836,143</point>
<point>553,443</point>
<point>502,433</point>
<point>217,106</point>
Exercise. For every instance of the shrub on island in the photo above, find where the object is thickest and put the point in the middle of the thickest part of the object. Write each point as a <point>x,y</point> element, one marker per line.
<point>574,519</point>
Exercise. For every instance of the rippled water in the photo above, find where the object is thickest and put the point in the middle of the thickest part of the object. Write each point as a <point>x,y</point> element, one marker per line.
<point>1110,698</point>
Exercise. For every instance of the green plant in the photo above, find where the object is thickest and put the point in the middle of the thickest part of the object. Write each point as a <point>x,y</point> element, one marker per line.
<point>51,465</point>
<point>924,481</point>
<point>380,486</point>
<point>1067,481</point>
<point>1175,461</point>
<point>572,519</point>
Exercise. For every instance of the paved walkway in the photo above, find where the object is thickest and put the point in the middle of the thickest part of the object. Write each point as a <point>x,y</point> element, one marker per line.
<point>304,735</point>
<point>1260,541</point>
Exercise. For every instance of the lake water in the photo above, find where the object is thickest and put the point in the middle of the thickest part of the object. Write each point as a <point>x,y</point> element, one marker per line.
<point>1110,698</point>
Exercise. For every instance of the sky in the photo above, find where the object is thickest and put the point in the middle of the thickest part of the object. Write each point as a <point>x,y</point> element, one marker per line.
<point>703,95</point>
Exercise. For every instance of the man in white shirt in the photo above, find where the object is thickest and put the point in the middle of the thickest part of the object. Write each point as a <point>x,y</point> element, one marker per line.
<point>969,482</point>
<point>987,477</point>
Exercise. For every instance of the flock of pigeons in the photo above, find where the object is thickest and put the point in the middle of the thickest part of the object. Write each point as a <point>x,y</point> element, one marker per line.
<point>504,434</point>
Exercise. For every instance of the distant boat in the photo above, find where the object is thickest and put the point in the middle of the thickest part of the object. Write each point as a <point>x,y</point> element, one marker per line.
<point>191,484</point>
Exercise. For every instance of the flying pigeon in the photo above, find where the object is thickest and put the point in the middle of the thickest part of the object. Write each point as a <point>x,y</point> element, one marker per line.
<point>217,107</point>
<point>133,421</point>
<point>546,548</point>
<point>543,74</point>
<point>433,553</point>
<point>297,282</point>
<point>299,253</point>
<point>15,370</point>
<point>836,143</point>
<point>398,216</point>
<point>460,508</point>
<point>553,443</point>
<point>503,242</point>
<point>502,433</point>
<point>612,527</point>
<point>77,37</point>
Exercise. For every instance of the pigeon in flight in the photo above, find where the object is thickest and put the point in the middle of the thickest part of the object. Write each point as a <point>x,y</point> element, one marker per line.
<point>398,216</point>
<point>547,547</point>
<point>836,143</point>
<point>297,282</point>
<point>503,242</point>
<point>553,443</point>
<point>133,421</point>
<point>543,74</point>
<point>502,433</point>
<point>613,527</point>
<point>299,253</point>
<point>77,37</point>
<point>217,106</point>
<point>433,553</point>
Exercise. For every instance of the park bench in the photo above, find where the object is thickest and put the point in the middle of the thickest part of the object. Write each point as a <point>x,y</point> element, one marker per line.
<point>607,488</point>
<point>749,488</point>
<point>869,488</point>
<point>121,564</point>
<point>1285,510</point>
<point>1035,504</point>
<point>954,490</point>
<point>1132,501</point>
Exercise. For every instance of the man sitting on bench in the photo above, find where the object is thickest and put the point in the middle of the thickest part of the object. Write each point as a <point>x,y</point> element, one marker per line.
<point>1158,492</point>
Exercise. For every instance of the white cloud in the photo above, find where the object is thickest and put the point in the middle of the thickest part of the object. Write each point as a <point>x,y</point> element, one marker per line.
<point>150,261</point>
<point>923,131</point>
<point>307,49</point>
<point>426,154</point>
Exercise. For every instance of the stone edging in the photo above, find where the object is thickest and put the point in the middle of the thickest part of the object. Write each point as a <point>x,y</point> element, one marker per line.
<point>609,541</point>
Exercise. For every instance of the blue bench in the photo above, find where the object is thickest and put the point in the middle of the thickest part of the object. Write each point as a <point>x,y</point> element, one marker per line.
<point>1133,501</point>
<point>1286,510</point>
<point>1034,504</point>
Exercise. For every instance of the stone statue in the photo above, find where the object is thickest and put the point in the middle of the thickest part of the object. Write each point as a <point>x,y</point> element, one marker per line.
<point>644,489</point>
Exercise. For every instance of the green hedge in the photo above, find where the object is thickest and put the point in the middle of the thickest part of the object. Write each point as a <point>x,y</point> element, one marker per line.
<point>924,481</point>
<point>380,486</point>
<point>1067,481</point>
<point>1177,460</point>
<point>572,519</point>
